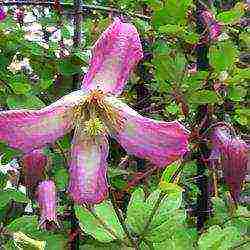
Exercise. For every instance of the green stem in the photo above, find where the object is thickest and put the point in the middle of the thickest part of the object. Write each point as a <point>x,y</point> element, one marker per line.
<point>121,220</point>
<point>152,214</point>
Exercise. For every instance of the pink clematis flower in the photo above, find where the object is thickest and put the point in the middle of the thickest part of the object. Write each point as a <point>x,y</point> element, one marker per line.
<point>46,197</point>
<point>2,14</point>
<point>94,112</point>
<point>232,152</point>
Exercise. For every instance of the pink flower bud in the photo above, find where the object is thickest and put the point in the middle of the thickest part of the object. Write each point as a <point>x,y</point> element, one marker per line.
<point>46,193</point>
<point>233,153</point>
<point>2,14</point>
<point>34,164</point>
<point>212,26</point>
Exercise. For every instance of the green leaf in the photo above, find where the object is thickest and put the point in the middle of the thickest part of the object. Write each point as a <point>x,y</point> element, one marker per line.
<point>66,32</point>
<point>169,187</point>
<point>3,179</point>
<point>165,230</point>
<point>237,93</point>
<point>190,37</point>
<point>194,82</point>
<point>8,195</point>
<point>138,211</point>
<point>169,205</point>
<point>61,178</point>
<point>102,223</point>
<point>222,55</point>
<point>203,97</point>
<point>102,246</point>
<point>242,116</point>
<point>169,66</point>
<point>29,226</point>
<point>66,68</point>
<point>24,102</point>
<point>20,87</point>
<point>220,212</point>
<point>231,16</point>
<point>181,239</point>
<point>169,172</point>
<point>8,153</point>
<point>171,29</point>
<point>173,12</point>
<point>217,238</point>
<point>27,243</point>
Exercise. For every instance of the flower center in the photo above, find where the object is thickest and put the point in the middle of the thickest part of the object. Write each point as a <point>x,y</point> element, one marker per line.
<point>95,97</point>
<point>98,116</point>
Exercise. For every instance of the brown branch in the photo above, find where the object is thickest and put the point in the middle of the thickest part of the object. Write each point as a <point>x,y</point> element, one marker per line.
<point>71,6</point>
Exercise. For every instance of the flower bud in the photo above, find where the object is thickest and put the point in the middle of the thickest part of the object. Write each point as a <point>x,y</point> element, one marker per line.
<point>212,26</point>
<point>46,196</point>
<point>2,14</point>
<point>233,156</point>
<point>34,165</point>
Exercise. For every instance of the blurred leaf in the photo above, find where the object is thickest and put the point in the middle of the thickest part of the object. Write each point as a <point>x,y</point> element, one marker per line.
<point>3,179</point>
<point>29,226</point>
<point>242,116</point>
<point>20,87</point>
<point>217,238</point>
<point>61,178</point>
<point>66,68</point>
<point>8,153</point>
<point>173,12</point>
<point>169,172</point>
<point>24,102</point>
<point>237,93</point>
<point>8,195</point>
<point>231,16</point>
<point>171,29</point>
<point>203,97</point>
<point>217,57</point>
<point>220,213</point>
<point>169,67</point>
<point>66,32</point>
<point>169,187</point>
<point>27,243</point>
<point>102,223</point>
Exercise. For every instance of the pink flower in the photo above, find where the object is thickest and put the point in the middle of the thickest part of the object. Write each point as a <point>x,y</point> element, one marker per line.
<point>46,197</point>
<point>232,152</point>
<point>2,14</point>
<point>34,164</point>
<point>94,112</point>
<point>212,26</point>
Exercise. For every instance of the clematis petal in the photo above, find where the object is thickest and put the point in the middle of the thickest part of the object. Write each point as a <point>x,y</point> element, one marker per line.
<point>158,141</point>
<point>114,55</point>
<point>234,158</point>
<point>88,167</point>
<point>31,129</point>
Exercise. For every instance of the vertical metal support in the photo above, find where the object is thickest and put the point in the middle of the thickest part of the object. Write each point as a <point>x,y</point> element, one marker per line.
<point>203,117</point>
<point>77,39</point>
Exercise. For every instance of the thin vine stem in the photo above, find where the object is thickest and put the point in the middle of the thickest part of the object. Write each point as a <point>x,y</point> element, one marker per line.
<point>105,226</point>
<point>121,220</point>
<point>71,6</point>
